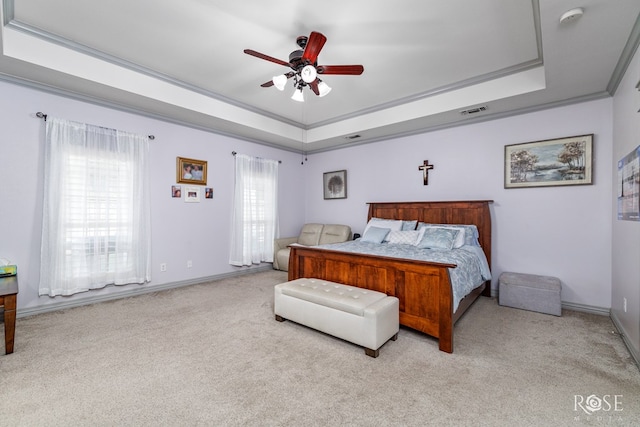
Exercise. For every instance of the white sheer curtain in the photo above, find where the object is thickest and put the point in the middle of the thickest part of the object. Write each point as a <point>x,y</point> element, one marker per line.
<point>96,217</point>
<point>254,219</point>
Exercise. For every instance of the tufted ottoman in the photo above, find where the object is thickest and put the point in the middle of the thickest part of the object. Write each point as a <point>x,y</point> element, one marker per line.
<point>361,316</point>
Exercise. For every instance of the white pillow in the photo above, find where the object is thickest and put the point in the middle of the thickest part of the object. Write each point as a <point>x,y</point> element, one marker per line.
<point>460,238</point>
<point>391,224</point>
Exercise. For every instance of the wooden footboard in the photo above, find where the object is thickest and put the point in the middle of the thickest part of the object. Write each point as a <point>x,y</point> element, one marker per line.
<point>423,288</point>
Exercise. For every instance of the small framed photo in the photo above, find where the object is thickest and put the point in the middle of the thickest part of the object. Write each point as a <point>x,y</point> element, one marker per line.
<point>192,194</point>
<point>548,163</point>
<point>335,185</point>
<point>191,171</point>
<point>208,193</point>
<point>176,191</point>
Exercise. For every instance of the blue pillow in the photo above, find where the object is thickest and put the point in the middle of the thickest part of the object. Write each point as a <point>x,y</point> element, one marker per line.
<point>470,233</point>
<point>438,238</point>
<point>409,225</point>
<point>375,234</point>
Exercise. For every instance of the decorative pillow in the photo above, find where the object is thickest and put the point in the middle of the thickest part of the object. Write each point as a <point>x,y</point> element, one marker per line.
<point>438,238</point>
<point>471,234</point>
<point>391,224</point>
<point>460,238</point>
<point>409,225</point>
<point>408,237</point>
<point>374,234</point>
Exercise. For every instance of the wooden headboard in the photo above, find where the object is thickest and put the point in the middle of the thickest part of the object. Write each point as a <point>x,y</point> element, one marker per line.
<point>455,212</point>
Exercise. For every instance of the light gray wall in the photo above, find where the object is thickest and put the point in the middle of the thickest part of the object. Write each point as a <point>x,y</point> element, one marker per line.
<point>180,231</point>
<point>626,234</point>
<point>558,231</point>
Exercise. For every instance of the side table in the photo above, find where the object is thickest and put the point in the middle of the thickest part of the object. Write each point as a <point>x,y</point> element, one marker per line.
<point>8,299</point>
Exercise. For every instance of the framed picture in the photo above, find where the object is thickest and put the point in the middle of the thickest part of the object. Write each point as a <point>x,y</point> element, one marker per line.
<point>628,184</point>
<point>552,162</point>
<point>191,171</point>
<point>176,191</point>
<point>335,185</point>
<point>192,194</point>
<point>208,193</point>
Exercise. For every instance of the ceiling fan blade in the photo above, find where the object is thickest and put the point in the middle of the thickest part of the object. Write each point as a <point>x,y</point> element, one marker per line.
<point>266,57</point>
<point>314,87</point>
<point>314,45</point>
<point>340,69</point>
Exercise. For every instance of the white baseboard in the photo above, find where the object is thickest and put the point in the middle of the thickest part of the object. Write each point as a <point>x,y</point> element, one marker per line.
<point>628,343</point>
<point>136,291</point>
<point>602,311</point>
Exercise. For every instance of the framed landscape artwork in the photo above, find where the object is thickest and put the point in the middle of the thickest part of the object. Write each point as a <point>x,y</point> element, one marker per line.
<point>335,184</point>
<point>552,162</point>
<point>191,171</point>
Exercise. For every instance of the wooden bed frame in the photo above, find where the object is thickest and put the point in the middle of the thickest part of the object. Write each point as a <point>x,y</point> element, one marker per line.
<point>423,288</point>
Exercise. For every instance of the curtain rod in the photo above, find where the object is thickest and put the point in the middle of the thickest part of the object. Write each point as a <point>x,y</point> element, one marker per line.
<point>42,115</point>
<point>234,153</point>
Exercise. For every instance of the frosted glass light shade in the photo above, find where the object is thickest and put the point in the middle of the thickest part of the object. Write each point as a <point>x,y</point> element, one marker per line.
<point>298,95</point>
<point>323,89</point>
<point>279,81</point>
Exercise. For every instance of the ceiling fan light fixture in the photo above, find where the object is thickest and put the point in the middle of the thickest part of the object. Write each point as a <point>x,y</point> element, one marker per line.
<point>308,73</point>
<point>323,88</point>
<point>279,81</point>
<point>298,95</point>
<point>304,67</point>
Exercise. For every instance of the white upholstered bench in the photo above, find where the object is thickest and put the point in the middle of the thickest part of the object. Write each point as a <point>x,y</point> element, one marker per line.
<point>361,316</point>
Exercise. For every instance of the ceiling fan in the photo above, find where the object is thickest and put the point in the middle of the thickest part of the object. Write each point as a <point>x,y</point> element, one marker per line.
<point>304,63</point>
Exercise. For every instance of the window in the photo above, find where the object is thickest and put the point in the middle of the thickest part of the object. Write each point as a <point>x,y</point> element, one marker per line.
<point>255,210</point>
<point>96,222</point>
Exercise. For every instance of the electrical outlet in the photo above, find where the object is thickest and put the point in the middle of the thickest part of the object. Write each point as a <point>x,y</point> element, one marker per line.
<point>189,264</point>
<point>163,267</point>
<point>624,304</point>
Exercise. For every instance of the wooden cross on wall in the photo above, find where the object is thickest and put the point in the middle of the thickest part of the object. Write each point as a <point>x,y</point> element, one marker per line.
<point>425,171</point>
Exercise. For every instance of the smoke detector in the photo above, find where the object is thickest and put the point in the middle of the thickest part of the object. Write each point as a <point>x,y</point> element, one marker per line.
<point>571,15</point>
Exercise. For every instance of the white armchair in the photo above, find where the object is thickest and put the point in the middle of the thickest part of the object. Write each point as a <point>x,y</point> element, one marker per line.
<point>310,235</point>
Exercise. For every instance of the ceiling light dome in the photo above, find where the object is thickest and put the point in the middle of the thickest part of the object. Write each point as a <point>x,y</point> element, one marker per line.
<point>309,74</point>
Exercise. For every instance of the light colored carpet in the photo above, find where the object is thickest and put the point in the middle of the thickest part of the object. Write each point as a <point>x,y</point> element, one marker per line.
<point>212,355</point>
